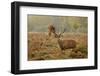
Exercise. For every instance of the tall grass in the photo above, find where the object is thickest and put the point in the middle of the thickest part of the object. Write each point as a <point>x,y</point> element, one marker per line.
<point>42,48</point>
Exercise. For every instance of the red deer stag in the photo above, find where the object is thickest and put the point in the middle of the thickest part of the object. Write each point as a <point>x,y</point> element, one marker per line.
<point>64,44</point>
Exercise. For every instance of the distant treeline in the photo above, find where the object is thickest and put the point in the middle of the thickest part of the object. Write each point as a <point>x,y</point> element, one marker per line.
<point>39,23</point>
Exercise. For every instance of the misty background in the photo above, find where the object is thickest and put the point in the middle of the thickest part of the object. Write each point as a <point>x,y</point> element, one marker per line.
<point>40,23</point>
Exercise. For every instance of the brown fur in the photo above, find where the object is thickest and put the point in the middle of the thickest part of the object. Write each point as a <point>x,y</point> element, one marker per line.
<point>67,44</point>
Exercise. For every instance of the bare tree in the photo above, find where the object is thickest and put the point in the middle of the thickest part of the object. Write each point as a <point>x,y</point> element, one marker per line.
<point>52,30</point>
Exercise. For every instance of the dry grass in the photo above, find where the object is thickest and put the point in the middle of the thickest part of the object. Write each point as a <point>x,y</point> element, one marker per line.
<point>42,48</point>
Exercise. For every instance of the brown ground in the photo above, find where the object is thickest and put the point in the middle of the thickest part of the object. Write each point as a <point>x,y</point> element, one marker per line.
<point>40,47</point>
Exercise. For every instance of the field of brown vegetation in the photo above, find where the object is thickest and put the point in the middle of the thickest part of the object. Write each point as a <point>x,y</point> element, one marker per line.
<point>41,47</point>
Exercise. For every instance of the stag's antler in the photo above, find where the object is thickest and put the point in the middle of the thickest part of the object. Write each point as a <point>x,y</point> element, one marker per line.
<point>62,32</point>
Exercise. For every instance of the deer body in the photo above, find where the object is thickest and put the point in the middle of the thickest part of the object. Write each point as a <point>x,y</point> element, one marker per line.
<point>67,44</point>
